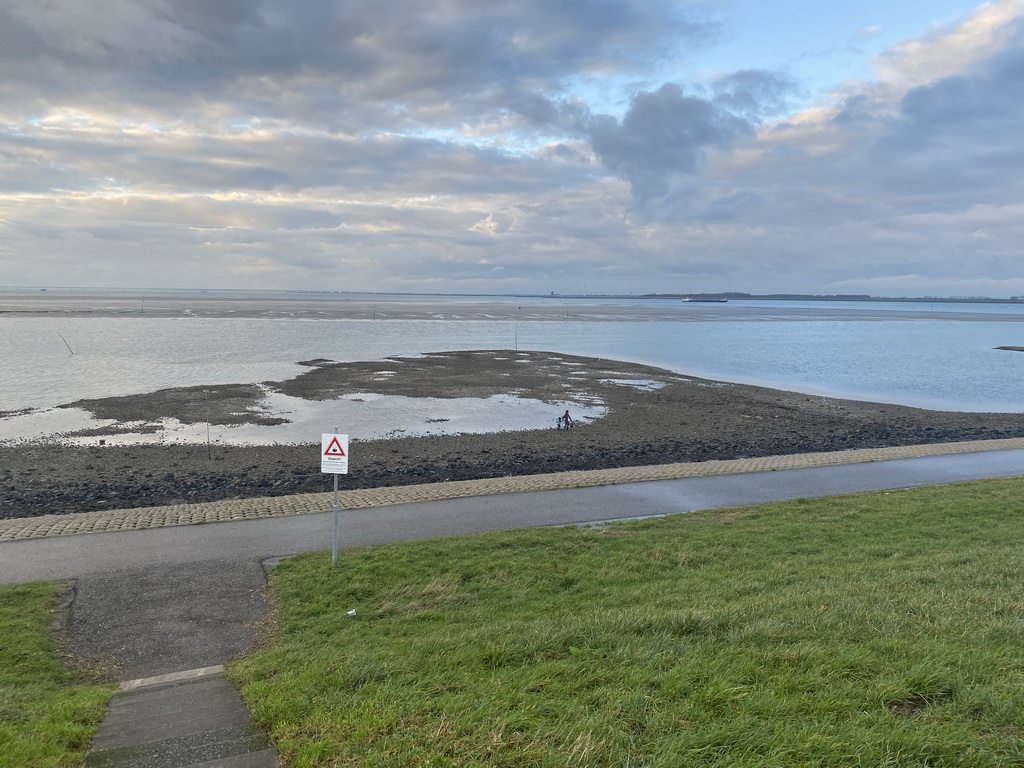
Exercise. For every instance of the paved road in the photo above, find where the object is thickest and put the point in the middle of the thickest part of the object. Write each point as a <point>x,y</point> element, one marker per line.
<point>65,557</point>
<point>168,599</point>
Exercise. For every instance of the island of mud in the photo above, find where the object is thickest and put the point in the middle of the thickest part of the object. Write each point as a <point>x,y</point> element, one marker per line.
<point>652,416</point>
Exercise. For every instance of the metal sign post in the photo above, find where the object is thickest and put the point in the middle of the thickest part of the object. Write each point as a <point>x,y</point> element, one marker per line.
<point>334,535</point>
<point>334,460</point>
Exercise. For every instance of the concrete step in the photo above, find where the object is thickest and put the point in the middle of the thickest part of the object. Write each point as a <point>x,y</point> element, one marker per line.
<point>187,723</point>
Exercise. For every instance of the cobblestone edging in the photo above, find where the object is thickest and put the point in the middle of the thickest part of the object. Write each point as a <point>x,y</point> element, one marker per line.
<point>307,503</point>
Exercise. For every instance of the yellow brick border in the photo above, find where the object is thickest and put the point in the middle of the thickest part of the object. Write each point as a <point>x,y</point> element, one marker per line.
<point>307,503</point>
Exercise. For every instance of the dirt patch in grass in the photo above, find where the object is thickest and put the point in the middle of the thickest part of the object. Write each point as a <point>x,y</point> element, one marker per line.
<point>725,517</point>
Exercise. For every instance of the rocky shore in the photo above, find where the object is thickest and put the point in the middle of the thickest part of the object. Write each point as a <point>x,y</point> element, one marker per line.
<point>653,416</point>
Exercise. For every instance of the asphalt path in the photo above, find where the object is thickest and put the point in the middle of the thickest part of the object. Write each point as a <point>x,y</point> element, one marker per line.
<point>168,599</point>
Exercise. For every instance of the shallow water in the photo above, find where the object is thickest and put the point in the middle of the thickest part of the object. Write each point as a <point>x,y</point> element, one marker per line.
<point>370,416</point>
<point>61,346</point>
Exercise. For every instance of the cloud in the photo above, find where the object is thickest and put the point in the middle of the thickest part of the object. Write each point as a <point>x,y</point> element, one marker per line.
<point>961,134</point>
<point>754,94</point>
<point>341,64</point>
<point>949,49</point>
<point>663,134</point>
<point>494,147</point>
<point>667,133</point>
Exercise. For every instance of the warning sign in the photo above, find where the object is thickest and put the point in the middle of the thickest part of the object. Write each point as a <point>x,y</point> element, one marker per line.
<point>334,454</point>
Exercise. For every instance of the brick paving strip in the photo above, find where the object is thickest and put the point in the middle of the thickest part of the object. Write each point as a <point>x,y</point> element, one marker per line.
<point>307,503</point>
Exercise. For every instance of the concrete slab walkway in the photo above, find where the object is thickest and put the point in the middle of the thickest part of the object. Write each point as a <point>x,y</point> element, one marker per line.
<point>194,719</point>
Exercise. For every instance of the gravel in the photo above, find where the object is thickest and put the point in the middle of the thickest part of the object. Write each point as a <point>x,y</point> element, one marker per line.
<point>677,419</point>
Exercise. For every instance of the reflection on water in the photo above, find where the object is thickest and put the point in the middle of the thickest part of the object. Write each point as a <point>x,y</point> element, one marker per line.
<point>367,415</point>
<point>934,355</point>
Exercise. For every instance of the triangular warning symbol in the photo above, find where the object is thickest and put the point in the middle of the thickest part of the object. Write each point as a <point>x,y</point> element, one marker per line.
<point>334,449</point>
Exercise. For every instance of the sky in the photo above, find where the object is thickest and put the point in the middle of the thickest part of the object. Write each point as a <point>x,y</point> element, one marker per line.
<point>454,146</point>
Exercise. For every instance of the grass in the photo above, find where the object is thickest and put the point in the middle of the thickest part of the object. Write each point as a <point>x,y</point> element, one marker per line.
<point>882,629</point>
<point>45,718</point>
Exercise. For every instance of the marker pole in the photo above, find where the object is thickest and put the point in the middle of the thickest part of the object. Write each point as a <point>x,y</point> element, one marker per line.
<point>334,547</point>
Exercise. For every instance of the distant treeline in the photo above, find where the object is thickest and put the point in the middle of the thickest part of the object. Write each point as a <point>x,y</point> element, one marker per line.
<point>828,297</point>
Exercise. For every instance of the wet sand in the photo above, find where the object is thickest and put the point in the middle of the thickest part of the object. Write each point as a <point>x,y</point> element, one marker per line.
<point>653,416</point>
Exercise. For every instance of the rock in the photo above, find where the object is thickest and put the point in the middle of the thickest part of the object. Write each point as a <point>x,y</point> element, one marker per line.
<point>639,429</point>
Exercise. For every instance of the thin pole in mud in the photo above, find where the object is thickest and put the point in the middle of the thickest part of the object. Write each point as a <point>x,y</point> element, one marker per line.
<point>515,333</point>
<point>66,343</point>
<point>334,538</point>
<point>209,450</point>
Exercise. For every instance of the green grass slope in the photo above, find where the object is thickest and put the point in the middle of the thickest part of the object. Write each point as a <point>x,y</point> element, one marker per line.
<point>883,629</point>
<point>46,720</point>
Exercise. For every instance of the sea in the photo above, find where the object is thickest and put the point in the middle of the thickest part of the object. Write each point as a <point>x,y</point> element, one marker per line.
<point>62,345</point>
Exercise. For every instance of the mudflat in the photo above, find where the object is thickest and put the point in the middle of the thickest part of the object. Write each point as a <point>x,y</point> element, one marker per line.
<point>653,416</point>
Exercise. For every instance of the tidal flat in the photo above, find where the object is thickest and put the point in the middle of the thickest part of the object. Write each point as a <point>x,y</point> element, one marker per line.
<point>646,415</point>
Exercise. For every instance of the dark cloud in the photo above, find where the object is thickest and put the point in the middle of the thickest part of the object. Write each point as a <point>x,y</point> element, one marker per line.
<point>664,133</point>
<point>959,134</point>
<point>537,109</point>
<point>333,58</point>
<point>668,133</point>
<point>19,42</point>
